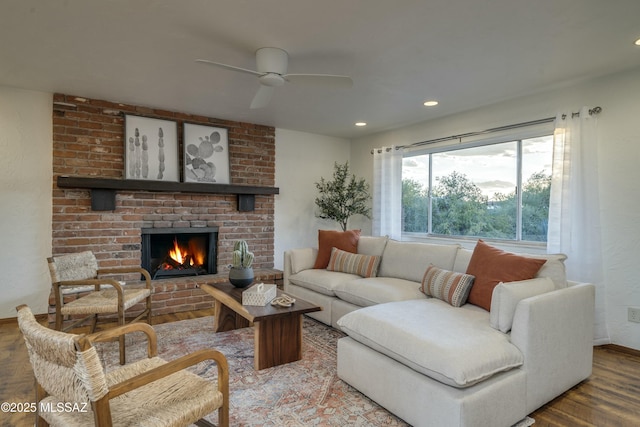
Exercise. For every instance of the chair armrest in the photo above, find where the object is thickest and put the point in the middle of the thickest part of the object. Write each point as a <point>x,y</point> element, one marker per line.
<point>123,270</point>
<point>96,282</point>
<point>110,334</point>
<point>174,366</point>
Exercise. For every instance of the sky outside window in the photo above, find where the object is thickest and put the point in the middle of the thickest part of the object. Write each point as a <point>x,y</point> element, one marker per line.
<point>492,167</point>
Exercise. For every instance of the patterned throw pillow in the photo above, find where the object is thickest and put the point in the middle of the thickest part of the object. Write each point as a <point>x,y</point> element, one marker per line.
<point>346,262</point>
<point>447,285</point>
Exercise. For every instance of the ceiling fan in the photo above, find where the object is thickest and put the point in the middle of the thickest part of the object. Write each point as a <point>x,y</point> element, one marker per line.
<point>271,64</point>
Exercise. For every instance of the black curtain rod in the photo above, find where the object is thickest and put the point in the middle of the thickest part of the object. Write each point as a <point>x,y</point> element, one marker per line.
<point>592,111</point>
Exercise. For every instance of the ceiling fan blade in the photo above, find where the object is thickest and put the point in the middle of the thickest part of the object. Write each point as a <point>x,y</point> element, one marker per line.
<point>262,97</point>
<point>229,67</point>
<point>328,80</point>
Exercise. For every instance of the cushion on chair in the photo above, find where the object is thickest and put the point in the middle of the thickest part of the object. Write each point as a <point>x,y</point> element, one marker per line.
<point>105,301</point>
<point>67,290</point>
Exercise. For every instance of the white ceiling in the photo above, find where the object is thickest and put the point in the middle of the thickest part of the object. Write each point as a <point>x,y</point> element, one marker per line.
<point>464,53</point>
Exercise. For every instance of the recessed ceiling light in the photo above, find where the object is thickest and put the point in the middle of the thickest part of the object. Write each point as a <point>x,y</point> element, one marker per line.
<point>361,124</point>
<point>430,103</point>
<point>638,42</point>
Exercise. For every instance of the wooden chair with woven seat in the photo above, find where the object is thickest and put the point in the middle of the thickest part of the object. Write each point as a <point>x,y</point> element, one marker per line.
<point>147,392</point>
<point>80,274</point>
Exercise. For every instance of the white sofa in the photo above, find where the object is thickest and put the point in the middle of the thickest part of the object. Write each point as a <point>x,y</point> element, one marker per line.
<point>433,364</point>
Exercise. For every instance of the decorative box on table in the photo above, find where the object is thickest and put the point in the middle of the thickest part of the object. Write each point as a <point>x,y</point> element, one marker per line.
<point>259,294</point>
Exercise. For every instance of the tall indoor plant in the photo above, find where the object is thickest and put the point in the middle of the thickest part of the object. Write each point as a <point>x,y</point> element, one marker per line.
<point>343,196</point>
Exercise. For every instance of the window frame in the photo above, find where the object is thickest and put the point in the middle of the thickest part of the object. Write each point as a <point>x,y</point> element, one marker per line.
<point>518,137</point>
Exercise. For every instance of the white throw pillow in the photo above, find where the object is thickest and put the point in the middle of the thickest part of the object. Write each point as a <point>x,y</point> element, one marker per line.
<point>506,297</point>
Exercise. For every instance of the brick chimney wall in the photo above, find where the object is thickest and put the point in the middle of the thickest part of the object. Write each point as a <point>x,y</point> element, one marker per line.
<point>88,141</point>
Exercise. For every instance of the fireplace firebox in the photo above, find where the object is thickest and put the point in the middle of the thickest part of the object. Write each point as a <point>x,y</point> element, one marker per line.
<point>176,252</point>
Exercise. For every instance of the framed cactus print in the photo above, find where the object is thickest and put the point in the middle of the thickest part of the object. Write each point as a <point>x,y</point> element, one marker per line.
<point>206,154</point>
<point>151,149</point>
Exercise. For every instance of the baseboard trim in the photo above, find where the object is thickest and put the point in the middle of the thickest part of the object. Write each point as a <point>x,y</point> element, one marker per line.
<point>622,349</point>
<point>14,320</point>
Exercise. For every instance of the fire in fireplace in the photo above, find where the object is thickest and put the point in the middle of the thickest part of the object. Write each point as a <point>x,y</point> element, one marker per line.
<point>174,252</point>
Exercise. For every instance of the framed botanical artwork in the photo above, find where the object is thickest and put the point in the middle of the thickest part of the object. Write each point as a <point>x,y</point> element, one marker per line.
<point>206,154</point>
<point>151,149</point>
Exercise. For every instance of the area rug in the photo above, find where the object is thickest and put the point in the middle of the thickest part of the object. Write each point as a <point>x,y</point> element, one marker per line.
<point>303,393</point>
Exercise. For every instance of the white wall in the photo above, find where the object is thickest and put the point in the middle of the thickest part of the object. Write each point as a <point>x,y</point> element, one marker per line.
<point>25,184</point>
<point>619,157</point>
<point>301,160</point>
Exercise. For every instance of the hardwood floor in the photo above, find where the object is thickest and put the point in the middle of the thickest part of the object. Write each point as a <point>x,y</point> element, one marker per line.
<point>610,397</point>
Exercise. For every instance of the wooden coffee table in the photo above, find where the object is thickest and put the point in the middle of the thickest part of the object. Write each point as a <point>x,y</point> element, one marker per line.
<point>277,330</point>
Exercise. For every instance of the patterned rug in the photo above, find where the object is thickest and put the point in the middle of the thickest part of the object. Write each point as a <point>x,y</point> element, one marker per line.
<point>303,393</point>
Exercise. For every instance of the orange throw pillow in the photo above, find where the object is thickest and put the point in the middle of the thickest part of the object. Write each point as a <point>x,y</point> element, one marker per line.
<point>491,266</point>
<point>343,240</point>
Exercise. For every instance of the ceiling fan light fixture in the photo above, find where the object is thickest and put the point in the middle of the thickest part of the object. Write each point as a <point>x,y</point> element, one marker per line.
<point>271,79</point>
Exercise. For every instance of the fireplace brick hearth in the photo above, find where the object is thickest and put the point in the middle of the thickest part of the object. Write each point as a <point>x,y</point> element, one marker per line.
<point>88,141</point>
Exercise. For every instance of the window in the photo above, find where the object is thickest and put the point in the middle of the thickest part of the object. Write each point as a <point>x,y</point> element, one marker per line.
<point>492,190</point>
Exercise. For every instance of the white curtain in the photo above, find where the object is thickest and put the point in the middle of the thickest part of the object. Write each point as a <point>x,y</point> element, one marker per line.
<point>387,192</point>
<point>574,208</point>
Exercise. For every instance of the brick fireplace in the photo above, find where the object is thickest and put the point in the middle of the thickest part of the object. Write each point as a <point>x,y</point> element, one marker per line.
<point>88,141</point>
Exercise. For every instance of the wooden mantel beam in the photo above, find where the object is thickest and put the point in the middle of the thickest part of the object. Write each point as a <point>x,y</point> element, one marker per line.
<point>103,190</point>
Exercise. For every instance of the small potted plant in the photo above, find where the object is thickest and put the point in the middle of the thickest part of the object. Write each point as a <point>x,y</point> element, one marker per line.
<point>241,272</point>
